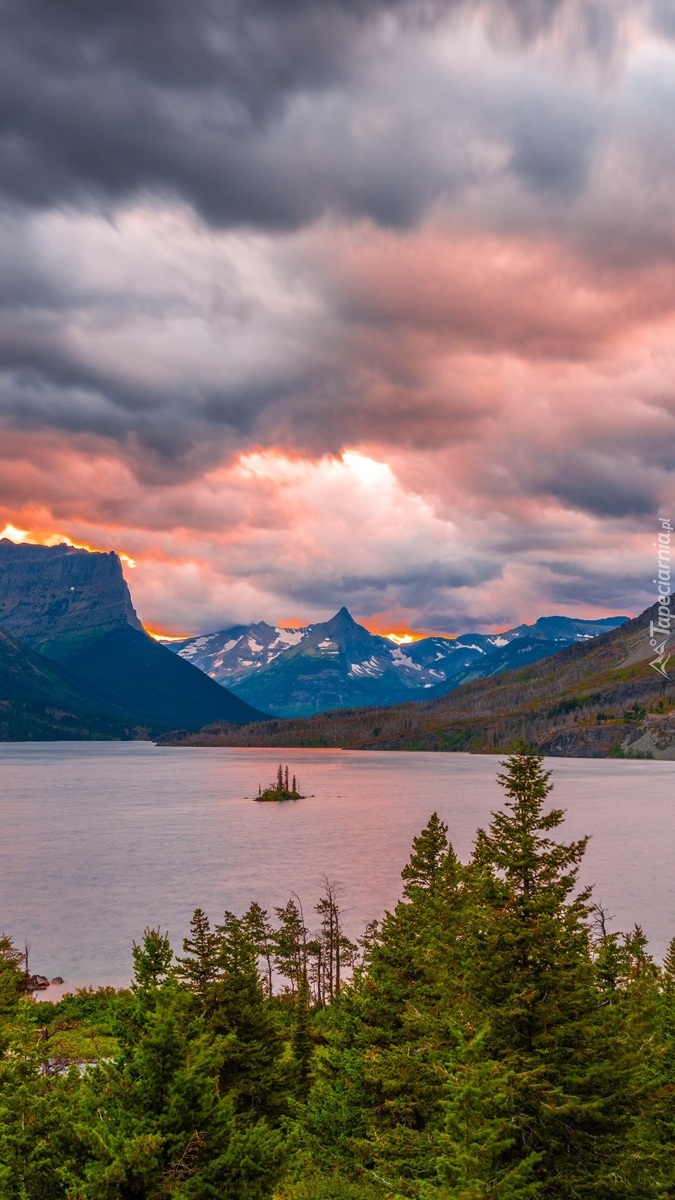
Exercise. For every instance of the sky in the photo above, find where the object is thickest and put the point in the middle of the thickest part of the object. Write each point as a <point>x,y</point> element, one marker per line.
<point>342,302</point>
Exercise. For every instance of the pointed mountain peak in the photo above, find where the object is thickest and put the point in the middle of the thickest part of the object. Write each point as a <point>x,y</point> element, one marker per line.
<point>342,620</point>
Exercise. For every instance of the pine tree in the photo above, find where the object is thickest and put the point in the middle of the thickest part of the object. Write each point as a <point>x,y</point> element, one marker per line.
<point>668,973</point>
<point>377,1100</point>
<point>153,958</point>
<point>290,943</point>
<point>476,1160</point>
<point>333,950</point>
<point>429,858</point>
<point>301,1036</point>
<point>160,1119</point>
<point>199,967</point>
<point>37,1115</point>
<point>251,1069</point>
<point>261,932</point>
<point>530,966</point>
<point>12,982</point>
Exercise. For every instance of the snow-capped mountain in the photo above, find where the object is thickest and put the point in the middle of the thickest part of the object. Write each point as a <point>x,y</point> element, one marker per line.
<point>340,664</point>
<point>233,654</point>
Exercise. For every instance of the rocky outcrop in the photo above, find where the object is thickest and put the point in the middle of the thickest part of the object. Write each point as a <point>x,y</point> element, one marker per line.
<point>51,595</point>
<point>654,737</point>
<point>590,741</point>
<point>37,983</point>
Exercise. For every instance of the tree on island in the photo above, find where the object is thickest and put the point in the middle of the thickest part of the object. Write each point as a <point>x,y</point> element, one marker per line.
<point>281,789</point>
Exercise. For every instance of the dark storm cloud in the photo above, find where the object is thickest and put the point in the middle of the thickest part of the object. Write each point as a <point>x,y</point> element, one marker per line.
<point>416,586</point>
<point>101,102</point>
<point>606,483</point>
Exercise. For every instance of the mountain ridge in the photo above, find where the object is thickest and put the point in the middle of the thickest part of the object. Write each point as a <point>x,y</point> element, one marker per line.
<point>590,699</point>
<point>339,663</point>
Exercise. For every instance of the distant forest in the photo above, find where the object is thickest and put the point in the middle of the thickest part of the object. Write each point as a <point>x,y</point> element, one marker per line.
<point>490,1039</point>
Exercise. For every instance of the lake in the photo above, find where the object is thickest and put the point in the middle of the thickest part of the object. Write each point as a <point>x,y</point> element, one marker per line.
<point>100,840</point>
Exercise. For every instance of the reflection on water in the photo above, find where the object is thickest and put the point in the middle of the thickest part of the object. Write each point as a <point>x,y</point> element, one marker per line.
<point>99,840</point>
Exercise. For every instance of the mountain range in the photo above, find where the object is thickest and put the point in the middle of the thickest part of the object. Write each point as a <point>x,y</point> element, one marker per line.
<point>339,664</point>
<point>76,661</point>
<point>593,698</point>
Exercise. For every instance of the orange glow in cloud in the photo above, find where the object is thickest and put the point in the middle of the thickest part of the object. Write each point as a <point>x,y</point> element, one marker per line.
<point>43,538</point>
<point>14,534</point>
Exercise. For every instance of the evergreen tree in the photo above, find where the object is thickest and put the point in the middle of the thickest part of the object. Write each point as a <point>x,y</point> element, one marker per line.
<point>475,1146</point>
<point>262,935</point>
<point>301,1036</point>
<point>333,950</point>
<point>251,1069</point>
<point>530,966</point>
<point>429,858</point>
<point>157,1121</point>
<point>290,943</point>
<point>199,968</point>
<point>12,985</point>
<point>377,1100</point>
<point>36,1116</point>
<point>669,965</point>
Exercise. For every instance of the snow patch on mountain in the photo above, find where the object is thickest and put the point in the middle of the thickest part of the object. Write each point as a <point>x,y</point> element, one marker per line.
<point>328,645</point>
<point>287,637</point>
<point>400,659</point>
<point>371,669</point>
<point>196,646</point>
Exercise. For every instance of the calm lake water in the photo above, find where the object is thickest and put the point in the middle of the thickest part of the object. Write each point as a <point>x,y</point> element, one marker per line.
<point>99,840</point>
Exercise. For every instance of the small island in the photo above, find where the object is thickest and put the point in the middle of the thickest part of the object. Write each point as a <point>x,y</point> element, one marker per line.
<point>280,789</point>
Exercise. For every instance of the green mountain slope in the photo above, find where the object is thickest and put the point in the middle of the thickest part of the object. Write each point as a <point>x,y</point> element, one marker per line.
<point>126,667</point>
<point>40,702</point>
<point>588,700</point>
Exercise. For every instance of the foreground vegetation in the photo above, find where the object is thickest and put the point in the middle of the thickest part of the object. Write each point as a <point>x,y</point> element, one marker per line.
<point>496,1041</point>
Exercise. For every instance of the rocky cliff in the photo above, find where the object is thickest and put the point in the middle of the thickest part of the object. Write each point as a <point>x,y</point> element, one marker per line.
<point>57,595</point>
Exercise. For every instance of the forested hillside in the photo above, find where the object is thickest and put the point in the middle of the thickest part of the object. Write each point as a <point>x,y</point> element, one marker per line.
<point>589,700</point>
<point>39,701</point>
<point>491,1039</point>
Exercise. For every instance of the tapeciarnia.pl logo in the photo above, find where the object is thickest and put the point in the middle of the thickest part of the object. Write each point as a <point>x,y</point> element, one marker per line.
<point>659,630</point>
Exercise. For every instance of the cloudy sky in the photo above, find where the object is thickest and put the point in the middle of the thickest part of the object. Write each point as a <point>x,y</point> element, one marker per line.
<point>322,302</point>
